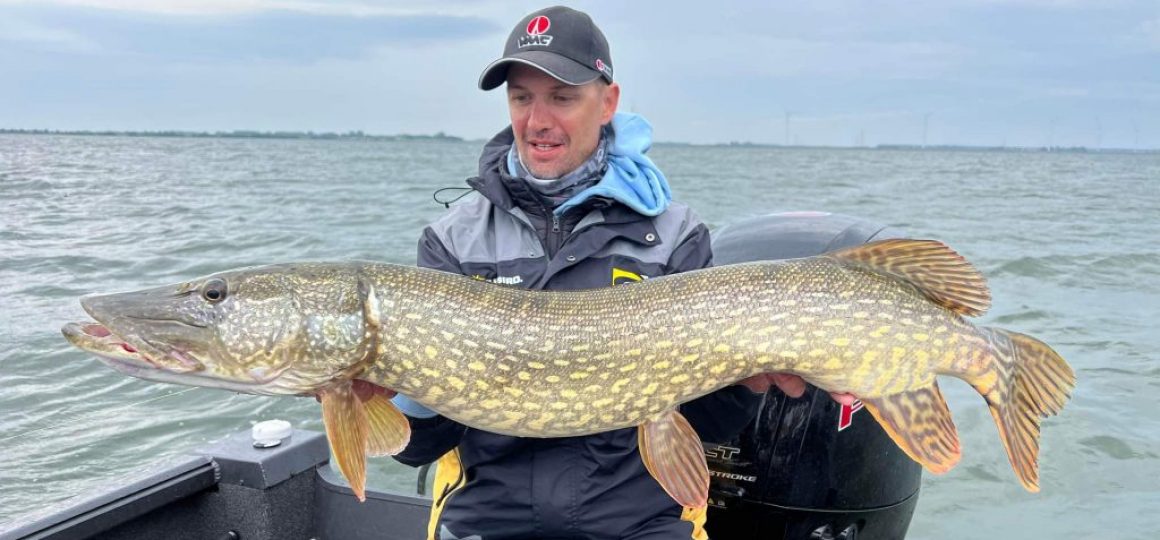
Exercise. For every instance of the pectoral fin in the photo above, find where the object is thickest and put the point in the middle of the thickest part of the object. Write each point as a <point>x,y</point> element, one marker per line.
<point>673,454</point>
<point>388,431</point>
<point>346,430</point>
<point>920,424</point>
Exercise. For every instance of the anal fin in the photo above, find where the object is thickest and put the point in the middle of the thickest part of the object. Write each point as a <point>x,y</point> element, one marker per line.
<point>920,424</point>
<point>673,455</point>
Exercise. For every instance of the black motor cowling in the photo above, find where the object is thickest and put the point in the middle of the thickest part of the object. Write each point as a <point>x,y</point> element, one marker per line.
<point>807,468</point>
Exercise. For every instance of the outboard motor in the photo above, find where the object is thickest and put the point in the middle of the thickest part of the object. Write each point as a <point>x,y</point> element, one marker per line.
<point>807,468</point>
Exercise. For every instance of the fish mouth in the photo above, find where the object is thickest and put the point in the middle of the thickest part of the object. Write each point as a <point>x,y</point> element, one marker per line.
<point>128,359</point>
<point>122,355</point>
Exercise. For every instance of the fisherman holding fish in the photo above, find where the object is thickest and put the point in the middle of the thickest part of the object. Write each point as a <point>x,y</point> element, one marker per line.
<point>580,413</point>
<point>568,200</point>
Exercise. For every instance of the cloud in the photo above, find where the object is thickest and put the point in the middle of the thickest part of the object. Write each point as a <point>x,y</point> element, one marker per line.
<point>271,34</point>
<point>36,36</point>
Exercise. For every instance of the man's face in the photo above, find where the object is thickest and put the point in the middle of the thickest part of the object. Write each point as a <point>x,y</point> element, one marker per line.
<point>557,125</point>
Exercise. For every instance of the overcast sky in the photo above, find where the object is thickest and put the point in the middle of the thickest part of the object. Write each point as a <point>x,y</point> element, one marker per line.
<point>990,72</point>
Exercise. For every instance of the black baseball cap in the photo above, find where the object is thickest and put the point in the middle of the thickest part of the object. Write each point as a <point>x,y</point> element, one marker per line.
<point>559,41</point>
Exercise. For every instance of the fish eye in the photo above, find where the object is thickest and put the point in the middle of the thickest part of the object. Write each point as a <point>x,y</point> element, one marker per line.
<point>214,290</point>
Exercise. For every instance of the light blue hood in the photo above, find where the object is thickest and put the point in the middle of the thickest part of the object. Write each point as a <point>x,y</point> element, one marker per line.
<point>632,178</point>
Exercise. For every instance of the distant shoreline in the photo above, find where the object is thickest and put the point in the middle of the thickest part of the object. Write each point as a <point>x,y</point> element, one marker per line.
<point>443,137</point>
<point>238,134</point>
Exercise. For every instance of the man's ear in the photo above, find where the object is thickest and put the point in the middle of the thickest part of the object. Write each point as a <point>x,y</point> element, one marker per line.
<point>610,102</point>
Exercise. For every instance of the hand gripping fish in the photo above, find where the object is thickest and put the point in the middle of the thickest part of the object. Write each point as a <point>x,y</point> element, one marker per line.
<point>879,321</point>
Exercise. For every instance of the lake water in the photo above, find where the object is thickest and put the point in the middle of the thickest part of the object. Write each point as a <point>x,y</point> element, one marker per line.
<point>1070,243</point>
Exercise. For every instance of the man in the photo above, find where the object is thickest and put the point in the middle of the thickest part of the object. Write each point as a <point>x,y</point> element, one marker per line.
<point>568,201</point>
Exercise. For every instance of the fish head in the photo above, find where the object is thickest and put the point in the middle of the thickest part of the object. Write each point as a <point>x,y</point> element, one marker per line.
<point>265,330</point>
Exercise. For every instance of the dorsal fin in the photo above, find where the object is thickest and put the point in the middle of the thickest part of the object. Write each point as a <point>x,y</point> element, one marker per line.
<point>935,269</point>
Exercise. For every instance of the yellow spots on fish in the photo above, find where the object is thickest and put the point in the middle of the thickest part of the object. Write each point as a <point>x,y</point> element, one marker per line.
<point>514,415</point>
<point>457,352</point>
<point>731,331</point>
<point>678,379</point>
<point>513,391</point>
<point>816,353</point>
<point>547,346</point>
<point>494,345</point>
<point>662,365</point>
<point>408,364</point>
<point>476,366</point>
<point>721,348</point>
<point>604,356</point>
<point>561,362</point>
<point>880,331</point>
<point>469,343</point>
<point>664,344</point>
<point>920,336</point>
<point>633,352</point>
<point>885,302</point>
<point>428,372</point>
<point>650,389</point>
<point>640,403</point>
<point>456,382</point>
<point>435,391</point>
<point>580,348</point>
<point>839,307</point>
<point>869,356</point>
<point>861,315</point>
<point>536,365</point>
<point>577,375</point>
<point>482,385</point>
<point>789,302</point>
<point>490,404</point>
<point>628,367</point>
<point>690,358</point>
<point>897,353</point>
<point>840,342</point>
<point>524,376</point>
<point>413,316</point>
<point>568,393</point>
<point>531,405</point>
<point>447,335</point>
<point>403,348</point>
<point>552,379</point>
<point>542,421</point>
<point>459,322</point>
<point>797,343</point>
<point>579,406</point>
<point>558,405</point>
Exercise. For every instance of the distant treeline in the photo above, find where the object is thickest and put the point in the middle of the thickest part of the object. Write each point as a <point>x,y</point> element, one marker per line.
<point>238,134</point>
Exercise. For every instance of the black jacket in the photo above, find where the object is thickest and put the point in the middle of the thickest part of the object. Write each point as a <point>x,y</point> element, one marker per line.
<point>595,486</point>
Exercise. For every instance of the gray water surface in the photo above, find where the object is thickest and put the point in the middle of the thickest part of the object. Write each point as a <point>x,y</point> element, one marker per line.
<point>1070,243</point>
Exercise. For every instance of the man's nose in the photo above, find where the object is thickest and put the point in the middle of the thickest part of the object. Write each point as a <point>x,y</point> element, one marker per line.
<point>540,117</point>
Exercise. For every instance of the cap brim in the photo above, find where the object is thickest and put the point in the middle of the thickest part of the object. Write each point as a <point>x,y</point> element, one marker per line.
<point>564,69</point>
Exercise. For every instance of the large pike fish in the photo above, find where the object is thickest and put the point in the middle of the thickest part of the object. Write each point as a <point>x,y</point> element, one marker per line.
<point>879,321</point>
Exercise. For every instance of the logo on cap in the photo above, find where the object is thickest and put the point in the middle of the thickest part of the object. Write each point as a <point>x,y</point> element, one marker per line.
<point>538,25</point>
<point>536,28</point>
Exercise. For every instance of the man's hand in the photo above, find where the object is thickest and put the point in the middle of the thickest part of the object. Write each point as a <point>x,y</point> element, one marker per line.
<point>366,390</point>
<point>792,385</point>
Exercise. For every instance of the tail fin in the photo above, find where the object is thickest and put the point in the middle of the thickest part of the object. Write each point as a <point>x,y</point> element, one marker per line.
<point>1027,381</point>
